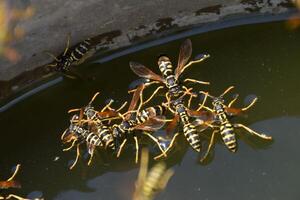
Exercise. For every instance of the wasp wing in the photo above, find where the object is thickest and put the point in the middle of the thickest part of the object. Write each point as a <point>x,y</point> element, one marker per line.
<point>9,184</point>
<point>233,111</point>
<point>184,55</point>
<point>201,114</point>
<point>144,72</point>
<point>152,124</point>
<point>172,125</point>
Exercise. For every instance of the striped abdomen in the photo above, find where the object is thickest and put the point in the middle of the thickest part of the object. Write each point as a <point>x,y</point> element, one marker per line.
<point>106,137</point>
<point>189,130</point>
<point>228,136</point>
<point>93,138</point>
<point>80,50</point>
<point>226,130</point>
<point>192,136</point>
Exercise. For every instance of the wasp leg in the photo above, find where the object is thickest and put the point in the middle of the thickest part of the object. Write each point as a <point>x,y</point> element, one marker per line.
<point>153,94</point>
<point>188,92</point>
<point>204,100</point>
<point>196,81</point>
<point>15,196</point>
<point>94,97</point>
<point>211,126</point>
<point>250,105</point>
<point>146,84</point>
<point>117,111</point>
<point>168,107</point>
<point>260,135</point>
<point>168,102</point>
<point>156,141</point>
<point>107,106</point>
<point>141,102</point>
<point>232,101</point>
<point>137,149</point>
<point>121,148</point>
<point>51,55</point>
<point>1,197</point>
<point>206,108</point>
<point>77,157</point>
<point>152,82</point>
<point>51,65</point>
<point>128,112</point>
<point>72,145</point>
<point>15,173</point>
<point>68,44</point>
<point>74,110</point>
<point>194,61</point>
<point>63,135</point>
<point>90,159</point>
<point>122,106</point>
<point>227,90</point>
<point>168,148</point>
<point>211,143</point>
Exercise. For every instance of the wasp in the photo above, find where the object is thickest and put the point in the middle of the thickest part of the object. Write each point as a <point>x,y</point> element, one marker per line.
<point>219,121</point>
<point>71,56</point>
<point>11,183</point>
<point>88,127</point>
<point>147,120</point>
<point>176,90</point>
<point>149,183</point>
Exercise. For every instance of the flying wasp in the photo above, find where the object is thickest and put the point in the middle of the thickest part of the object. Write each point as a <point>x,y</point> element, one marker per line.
<point>176,91</point>
<point>71,56</point>
<point>149,183</point>
<point>220,123</point>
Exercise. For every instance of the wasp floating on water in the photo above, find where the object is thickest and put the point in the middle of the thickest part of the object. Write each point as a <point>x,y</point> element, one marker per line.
<point>147,120</point>
<point>176,91</point>
<point>89,127</point>
<point>220,123</point>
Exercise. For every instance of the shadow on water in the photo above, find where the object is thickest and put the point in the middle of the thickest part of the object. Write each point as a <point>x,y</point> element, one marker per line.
<point>258,59</point>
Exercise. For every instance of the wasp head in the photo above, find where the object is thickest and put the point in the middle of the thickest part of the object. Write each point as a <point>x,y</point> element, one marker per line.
<point>218,102</point>
<point>75,132</point>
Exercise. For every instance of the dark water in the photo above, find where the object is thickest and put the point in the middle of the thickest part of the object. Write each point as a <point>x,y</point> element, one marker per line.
<point>261,60</point>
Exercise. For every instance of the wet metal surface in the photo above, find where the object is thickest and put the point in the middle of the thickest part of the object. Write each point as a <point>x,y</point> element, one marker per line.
<point>261,60</point>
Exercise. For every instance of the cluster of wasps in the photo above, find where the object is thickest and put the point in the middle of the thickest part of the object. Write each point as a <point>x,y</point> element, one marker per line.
<point>110,129</point>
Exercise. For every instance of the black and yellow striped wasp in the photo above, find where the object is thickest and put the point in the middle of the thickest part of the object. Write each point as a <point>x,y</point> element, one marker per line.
<point>176,90</point>
<point>219,121</point>
<point>146,120</point>
<point>152,181</point>
<point>71,56</point>
<point>88,126</point>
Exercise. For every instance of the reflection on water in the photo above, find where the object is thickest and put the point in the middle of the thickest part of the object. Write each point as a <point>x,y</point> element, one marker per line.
<point>258,59</point>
